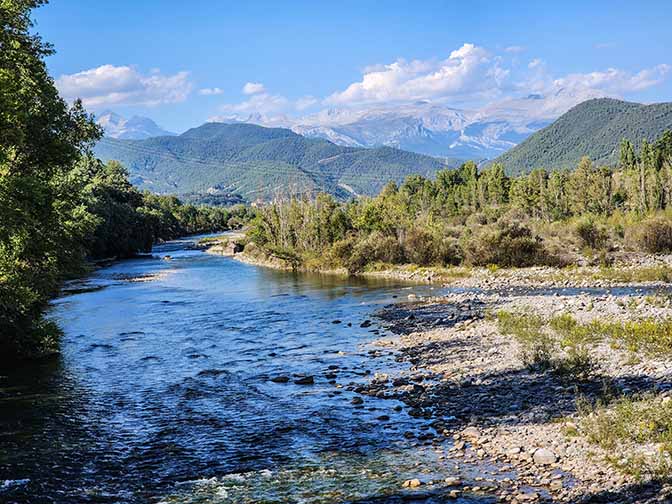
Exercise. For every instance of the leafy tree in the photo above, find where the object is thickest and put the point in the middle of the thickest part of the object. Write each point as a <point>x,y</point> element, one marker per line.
<point>43,215</point>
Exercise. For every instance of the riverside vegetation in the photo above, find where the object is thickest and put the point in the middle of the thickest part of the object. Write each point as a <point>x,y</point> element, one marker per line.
<point>58,204</point>
<point>483,217</point>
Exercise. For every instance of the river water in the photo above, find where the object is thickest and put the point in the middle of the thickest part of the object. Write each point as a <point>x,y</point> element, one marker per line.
<point>163,391</point>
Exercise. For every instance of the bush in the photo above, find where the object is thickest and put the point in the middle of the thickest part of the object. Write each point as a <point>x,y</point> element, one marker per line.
<point>592,234</point>
<point>355,253</point>
<point>449,251</point>
<point>420,247</point>
<point>506,244</point>
<point>655,235</point>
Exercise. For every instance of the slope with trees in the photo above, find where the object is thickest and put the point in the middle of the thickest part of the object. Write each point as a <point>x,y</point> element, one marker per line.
<point>259,162</point>
<point>593,128</point>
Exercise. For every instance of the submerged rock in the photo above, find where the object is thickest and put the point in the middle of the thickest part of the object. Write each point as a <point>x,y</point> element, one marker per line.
<point>305,380</point>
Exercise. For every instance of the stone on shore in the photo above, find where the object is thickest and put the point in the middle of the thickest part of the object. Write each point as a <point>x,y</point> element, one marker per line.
<point>544,456</point>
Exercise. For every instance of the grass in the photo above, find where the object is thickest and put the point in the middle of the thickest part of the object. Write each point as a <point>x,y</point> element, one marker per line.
<point>635,431</point>
<point>564,346</point>
<point>536,345</point>
<point>439,273</point>
<point>634,275</point>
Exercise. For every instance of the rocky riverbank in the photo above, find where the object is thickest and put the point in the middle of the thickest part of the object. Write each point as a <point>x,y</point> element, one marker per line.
<point>468,378</point>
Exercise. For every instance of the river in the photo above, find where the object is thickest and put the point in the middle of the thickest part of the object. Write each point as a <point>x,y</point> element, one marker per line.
<point>163,391</point>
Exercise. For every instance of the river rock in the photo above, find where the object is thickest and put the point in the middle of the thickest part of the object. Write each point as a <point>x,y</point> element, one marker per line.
<point>305,380</point>
<point>280,379</point>
<point>412,483</point>
<point>544,456</point>
<point>453,481</point>
<point>471,433</point>
<point>357,400</point>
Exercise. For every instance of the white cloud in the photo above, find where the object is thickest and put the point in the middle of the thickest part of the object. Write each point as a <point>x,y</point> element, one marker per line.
<point>471,78</point>
<point>615,81</point>
<point>469,71</point>
<point>251,88</point>
<point>124,85</point>
<point>305,102</point>
<point>263,103</point>
<point>210,91</point>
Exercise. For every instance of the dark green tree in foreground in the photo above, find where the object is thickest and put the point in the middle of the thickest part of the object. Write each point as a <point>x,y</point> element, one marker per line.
<point>43,217</point>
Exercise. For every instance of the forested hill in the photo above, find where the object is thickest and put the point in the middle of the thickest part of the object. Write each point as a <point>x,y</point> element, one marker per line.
<point>593,128</point>
<point>258,162</point>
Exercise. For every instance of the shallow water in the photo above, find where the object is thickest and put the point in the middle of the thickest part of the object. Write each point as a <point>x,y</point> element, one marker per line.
<point>163,391</point>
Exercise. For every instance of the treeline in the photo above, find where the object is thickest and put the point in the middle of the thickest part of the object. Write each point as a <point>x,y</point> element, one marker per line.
<point>58,205</point>
<point>481,217</point>
<point>129,221</point>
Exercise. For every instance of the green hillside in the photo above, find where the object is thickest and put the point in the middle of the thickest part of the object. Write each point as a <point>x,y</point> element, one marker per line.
<point>593,128</point>
<point>258,162</point>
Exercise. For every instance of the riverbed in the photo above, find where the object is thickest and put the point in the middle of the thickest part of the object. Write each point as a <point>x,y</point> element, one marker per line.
<point>189,377</point>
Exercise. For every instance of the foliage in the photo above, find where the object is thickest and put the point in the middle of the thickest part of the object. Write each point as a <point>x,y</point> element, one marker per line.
<point>58,204</point>
<point>536,346</point>
<point>591,233</point>
<point>655,235</point>
<point>484,217</point>
<point>44,218</point>
<point>508,243</point>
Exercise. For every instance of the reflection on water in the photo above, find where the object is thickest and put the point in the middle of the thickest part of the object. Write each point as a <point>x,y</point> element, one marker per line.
<point>165,382</point>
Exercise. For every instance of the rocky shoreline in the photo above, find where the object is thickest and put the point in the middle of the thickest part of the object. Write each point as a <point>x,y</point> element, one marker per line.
<point>466,377</point>
<point>488,410</point>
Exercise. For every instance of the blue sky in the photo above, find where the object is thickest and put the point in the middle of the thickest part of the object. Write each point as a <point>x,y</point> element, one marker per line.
<point>182,63</point>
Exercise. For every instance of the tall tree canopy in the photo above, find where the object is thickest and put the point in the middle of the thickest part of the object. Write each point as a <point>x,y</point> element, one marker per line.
<point>44,218</point>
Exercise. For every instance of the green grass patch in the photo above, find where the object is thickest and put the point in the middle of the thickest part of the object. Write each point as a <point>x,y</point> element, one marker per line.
<point>636,432</point>
<point>627,275</point>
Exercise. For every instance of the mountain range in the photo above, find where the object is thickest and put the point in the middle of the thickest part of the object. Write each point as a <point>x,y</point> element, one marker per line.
<point>241,160</point>
<point>434,129</point>
<point>135,128</point>
<point>258,163</point>
<point>593,128</point>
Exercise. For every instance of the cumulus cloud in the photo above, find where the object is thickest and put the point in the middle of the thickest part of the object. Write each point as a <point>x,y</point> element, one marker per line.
<point>124,85</point>
<point>471,78</point>
<point>251,88</point>
<point>210,91</point>
<point>468,71</point>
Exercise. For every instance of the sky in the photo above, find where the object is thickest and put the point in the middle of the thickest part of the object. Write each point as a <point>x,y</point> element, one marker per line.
<point>183,63</point>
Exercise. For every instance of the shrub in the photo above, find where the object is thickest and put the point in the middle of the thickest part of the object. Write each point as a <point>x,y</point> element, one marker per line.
<point>592,234</point>
<point>420,247</point>
<point>655,235</point>
<point>506,244</point>
<point>356,252</point>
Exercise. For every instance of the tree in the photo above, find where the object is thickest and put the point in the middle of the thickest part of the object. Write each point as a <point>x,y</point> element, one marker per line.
<point>43,215</point>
